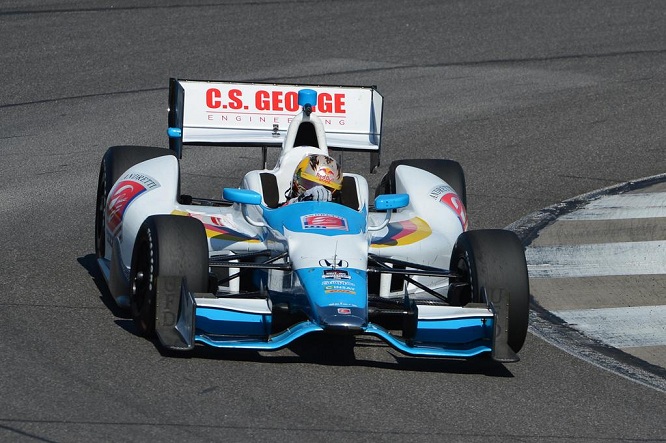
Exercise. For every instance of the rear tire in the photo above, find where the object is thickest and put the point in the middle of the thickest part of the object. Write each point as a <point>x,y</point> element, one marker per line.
<point>494,259</point>
<point>448,170</point>
<point>166,245</point>
<point>115,162</point>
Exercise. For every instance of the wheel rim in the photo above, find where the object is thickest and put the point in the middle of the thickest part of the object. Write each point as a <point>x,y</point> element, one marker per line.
<point>142,282</point>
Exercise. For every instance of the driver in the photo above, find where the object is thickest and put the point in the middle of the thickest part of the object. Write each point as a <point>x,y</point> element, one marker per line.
<point>317,177</point>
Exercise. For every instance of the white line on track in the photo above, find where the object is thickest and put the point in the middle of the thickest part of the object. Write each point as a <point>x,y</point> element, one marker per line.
<point>623,206</point>
<point>620,327</point>
<point>576,248</point>
<point>631,258</point>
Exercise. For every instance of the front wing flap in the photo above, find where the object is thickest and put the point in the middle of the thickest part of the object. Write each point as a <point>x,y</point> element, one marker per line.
<point>183,319</point>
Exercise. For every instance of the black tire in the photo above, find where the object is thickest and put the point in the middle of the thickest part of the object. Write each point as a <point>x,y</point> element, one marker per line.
<point>448,170</point>
<point>167,245</point>
<point>115,162</point>
<point>494,259</point>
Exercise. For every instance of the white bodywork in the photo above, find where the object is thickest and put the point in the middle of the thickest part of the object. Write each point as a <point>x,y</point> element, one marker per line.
<point>423,232</point>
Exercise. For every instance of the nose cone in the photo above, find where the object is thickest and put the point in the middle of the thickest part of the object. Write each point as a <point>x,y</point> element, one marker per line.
<point>338,297</point>
<point>347,320</point>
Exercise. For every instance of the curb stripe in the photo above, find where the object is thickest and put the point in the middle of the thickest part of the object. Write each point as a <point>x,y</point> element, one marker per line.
<point>620,327</point>
<point>631,258</point>
<point>623,206</point>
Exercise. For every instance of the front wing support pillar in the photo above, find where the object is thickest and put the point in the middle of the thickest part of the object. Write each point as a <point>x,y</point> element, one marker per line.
<point>499,302</point>
<point>174,313</point>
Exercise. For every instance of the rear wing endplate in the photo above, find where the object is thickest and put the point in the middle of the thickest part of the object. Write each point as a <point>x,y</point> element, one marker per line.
<point>258,114</point>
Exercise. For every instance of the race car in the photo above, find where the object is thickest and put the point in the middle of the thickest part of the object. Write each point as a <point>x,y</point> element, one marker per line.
<point>257,270</point>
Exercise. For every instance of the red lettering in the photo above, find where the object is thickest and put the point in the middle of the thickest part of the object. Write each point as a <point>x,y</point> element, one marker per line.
<point>213,98</point>
<point>324,103</point>
<point>291,101</point>
<point>277,101</point>
<point>235,101</point>
<point>339,101</point>
<point>262,101</point>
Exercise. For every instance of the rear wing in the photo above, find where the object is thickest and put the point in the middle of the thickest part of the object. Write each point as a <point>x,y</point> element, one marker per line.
<point>258,114</point>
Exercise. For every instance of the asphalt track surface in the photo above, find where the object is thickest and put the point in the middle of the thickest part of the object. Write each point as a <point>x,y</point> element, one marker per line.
<point>540,101</point>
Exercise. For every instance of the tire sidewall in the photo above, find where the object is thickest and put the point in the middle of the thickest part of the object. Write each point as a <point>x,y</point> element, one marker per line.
<point>166,245</point>
<point>495,260</point>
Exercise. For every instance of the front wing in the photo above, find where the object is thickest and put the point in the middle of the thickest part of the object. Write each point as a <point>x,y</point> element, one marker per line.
<point>184,318</point>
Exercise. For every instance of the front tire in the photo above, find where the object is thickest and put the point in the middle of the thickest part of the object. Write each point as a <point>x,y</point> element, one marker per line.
<point>166,245</point>
<point>493,259</point>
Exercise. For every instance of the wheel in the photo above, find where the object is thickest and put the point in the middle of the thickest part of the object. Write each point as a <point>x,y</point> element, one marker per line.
<point>448,170</point>
<point>493,259</point>
<point>115,162</point>
<point>168,245</point>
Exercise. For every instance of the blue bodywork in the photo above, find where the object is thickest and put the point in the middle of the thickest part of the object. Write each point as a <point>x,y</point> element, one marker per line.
<point>333,297</point>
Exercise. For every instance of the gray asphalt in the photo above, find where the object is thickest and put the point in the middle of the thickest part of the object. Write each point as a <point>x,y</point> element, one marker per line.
<point>597,265</point>
<point>540,101</point>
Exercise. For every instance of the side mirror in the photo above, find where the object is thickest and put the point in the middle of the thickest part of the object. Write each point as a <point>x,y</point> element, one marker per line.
<point>385,202</point>
<point>388,202</point>
<point>244,196</point>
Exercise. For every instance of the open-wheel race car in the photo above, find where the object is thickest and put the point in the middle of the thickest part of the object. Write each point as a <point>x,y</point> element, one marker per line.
<point>260,267</point>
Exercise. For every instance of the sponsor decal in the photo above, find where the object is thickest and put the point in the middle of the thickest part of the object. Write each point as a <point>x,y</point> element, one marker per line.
<point>335,286</point>
<point>220,229</point>
<point>336,274</point>
<point>344,311</point>
<point>122,195</point>
<point>326,263</point>
<point>338,282</point>
<point>339,286</point>
<point>272,101</point>
<point>447,195</point>
<point>347,305</point>
<point>339,291</point>
<point>403,233</point>
<point>324,221</point>
<point>224,220</point>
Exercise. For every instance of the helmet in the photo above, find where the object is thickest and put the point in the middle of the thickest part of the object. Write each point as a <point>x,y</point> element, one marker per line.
<point>316,170</point>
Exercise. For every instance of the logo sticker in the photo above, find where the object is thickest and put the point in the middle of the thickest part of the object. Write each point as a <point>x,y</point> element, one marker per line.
<point>336,274</point>
<point>324,221</point>
<point>447,195</point>
<point>325,263</point>
<point>122,194</point>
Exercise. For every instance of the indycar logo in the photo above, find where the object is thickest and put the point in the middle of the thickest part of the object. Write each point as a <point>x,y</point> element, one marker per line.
<point>447,195</point>
<point>122,195</point>
<point>323,221</point>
